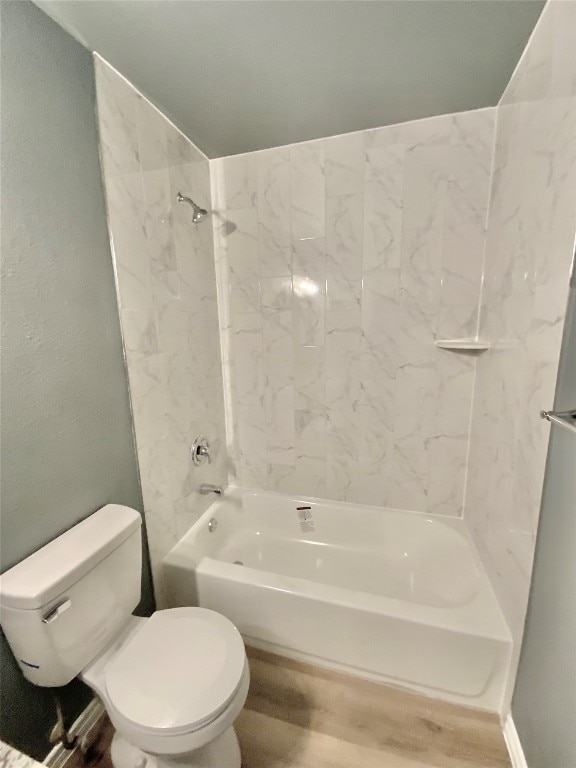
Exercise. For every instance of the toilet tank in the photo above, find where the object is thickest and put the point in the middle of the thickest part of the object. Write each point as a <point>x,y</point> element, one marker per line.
<point>65,603</point>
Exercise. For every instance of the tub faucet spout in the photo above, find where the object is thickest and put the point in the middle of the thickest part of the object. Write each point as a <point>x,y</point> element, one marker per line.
<point>206,488</point>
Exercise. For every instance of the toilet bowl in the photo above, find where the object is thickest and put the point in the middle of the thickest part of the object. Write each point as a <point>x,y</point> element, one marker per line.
<point>172,684</point>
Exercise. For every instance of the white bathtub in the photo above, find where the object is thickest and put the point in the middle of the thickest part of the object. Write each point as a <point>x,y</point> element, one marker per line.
<point>383,594</point>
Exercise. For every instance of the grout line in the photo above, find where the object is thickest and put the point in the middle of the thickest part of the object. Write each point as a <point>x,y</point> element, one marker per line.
<point>479,313</point>
<point>221,270</point>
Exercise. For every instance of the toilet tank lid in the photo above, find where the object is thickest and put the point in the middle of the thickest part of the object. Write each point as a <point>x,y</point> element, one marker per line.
<point>45,574</point>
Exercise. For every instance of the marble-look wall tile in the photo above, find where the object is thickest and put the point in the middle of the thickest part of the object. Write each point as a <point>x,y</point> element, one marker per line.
<point>345,165</point>
<point>118,111</point>
<point>344,220</point>
<point>530,241</point>
<point>546,69</point>
<point>369,246</point>
<point>342,358</point>
<point>167,294</point>
<point>307,190</point>
<point>309,378</point>
<point>383,206</point>
<point>140,334</point>
<point>244,263</point>
<point>158,219</point>
<point>239,179</point>
<point>152,137</point>
<point>125,198</point>
<point>248,359</point>
<point>273,211</point>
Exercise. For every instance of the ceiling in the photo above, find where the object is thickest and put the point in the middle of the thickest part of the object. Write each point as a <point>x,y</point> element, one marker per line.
<point>240,75</point>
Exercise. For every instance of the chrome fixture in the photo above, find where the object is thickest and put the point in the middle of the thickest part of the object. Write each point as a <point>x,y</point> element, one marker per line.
<point>206,488</point>
<point>212,524</point>
<point>200,450</point>
<point>54,612</point>
<point>198,214</point>
<point>566,419</point>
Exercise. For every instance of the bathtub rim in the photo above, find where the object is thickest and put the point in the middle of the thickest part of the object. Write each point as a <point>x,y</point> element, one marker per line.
<point>463,618</point>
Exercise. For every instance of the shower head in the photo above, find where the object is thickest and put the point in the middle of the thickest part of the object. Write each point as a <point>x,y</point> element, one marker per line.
<point>198,214</point>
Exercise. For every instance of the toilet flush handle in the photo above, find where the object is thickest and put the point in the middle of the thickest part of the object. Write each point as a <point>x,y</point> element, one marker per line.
<point>53,613</point>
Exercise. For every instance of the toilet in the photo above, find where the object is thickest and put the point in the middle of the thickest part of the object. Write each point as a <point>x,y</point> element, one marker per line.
<point>172,684</point>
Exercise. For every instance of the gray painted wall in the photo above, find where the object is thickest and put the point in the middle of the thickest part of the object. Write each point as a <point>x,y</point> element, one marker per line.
<point>544,704</point>
<point>240,76</point>
<point>67,442</point>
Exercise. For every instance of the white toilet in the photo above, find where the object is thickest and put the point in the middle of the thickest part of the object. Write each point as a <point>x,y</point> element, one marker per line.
<point>172,684</point>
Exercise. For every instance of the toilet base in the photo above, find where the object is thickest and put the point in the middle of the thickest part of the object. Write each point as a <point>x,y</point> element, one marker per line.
<point>223,752</point>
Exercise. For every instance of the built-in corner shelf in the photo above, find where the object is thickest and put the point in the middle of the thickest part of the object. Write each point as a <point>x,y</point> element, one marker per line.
<point>463,345</point>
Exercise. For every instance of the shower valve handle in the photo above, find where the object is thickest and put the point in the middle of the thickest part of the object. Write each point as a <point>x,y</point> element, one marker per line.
<point>201,451</point>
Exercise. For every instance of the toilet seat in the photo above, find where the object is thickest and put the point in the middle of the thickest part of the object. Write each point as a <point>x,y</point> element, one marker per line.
<point>177,673</point>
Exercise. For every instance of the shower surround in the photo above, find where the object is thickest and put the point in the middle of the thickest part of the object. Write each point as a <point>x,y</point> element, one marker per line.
<point>529,251</point>
<point>340,261</point>
<point>167,295</point>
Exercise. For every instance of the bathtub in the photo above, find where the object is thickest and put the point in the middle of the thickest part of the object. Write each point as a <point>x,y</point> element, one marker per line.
<point>388,595</point>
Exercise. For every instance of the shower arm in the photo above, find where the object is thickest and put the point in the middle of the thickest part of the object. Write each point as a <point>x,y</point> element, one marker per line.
<point>198,213</point>
<point>183,199</point>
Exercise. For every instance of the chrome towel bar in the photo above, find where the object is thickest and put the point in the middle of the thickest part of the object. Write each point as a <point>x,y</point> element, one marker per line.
<point>566,419</point>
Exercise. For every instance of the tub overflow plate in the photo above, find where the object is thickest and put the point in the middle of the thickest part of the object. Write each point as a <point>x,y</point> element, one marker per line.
<point>305,519</point>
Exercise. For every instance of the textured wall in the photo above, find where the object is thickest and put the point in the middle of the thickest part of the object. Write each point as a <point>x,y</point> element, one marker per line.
<point>339,262</point>
<point>530,242</point>
<point>168,307</point>
<point>67,440</point>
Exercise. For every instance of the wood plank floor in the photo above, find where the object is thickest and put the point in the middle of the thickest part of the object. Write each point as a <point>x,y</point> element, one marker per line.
<point>301,716</point>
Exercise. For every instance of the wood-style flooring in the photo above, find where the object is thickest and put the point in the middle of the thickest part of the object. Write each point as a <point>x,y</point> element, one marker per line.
<point>302,716</point>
